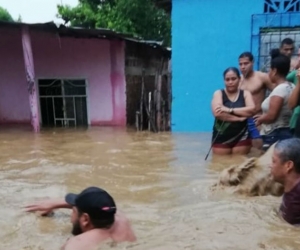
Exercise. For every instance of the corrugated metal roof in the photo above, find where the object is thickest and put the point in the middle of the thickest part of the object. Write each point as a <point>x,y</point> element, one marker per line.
<point>78,32</point>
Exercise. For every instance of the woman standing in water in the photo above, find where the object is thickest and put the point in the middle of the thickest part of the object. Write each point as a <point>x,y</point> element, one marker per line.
<point>231,107</point>
<point>276,114</point>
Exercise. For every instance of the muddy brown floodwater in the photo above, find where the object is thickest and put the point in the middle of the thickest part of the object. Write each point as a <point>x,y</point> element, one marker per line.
<point>160,181</point>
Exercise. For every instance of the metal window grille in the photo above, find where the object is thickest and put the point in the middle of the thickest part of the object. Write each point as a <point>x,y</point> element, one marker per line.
<point>63,102</point>
<point>281,6</point>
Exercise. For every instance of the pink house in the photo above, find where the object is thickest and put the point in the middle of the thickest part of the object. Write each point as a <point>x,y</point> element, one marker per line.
<point>62,76</point>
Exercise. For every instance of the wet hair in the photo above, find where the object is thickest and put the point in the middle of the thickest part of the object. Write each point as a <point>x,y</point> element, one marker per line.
<point>234,69</point>
<point>282,64</point>
<point>288,150</point>
<point>247,55</point>
<point>275,53</point>
<point>287,41</point>
<point>102,223</point>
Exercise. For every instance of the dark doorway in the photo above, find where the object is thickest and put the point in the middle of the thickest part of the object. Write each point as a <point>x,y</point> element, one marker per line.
<point>63,103</point>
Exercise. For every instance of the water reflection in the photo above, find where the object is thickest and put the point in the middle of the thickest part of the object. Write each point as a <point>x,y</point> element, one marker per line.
<point>160,180</point>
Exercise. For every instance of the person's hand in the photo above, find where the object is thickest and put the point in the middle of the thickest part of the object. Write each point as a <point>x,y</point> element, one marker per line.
<point>298,74</point>
<point>222,109</point>
<point>257,120</point>
<point>44,207</point>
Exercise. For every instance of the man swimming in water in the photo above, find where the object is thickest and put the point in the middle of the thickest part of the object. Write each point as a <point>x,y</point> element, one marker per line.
<point>94,217</point>
<point>256,83</point>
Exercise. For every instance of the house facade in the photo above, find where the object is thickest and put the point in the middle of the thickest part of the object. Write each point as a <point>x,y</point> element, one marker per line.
<point>60,76</point>
<point>208,36</point>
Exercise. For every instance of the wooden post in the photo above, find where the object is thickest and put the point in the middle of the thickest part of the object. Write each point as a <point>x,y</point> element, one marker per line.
<point>164,118</point>
<point>142,100</point>
<point>150,113</point>
<point>158,104</point>
<point>170,97</point>
<point>169,101</point>
<point>30,77</point>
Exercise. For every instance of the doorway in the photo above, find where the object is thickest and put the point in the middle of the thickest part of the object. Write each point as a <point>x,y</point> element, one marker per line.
<point>63,102</point>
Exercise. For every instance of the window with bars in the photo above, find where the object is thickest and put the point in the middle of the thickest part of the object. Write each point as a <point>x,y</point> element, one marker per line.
<point>271,39</point>
<point>281,6</point>
<point>63,102</point>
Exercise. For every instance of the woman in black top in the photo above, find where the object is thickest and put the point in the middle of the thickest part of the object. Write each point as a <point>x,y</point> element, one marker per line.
<point>231,108</point>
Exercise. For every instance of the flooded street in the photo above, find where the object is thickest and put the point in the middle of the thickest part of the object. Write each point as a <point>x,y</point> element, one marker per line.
<point>160,181</point>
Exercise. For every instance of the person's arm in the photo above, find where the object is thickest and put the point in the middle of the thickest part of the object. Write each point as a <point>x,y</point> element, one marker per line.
<point>249,108</point>
<point>218,109</point>
<point>275,106</point>
<point>47,206</point>
<point>276,103</point>
<point>291,76</point>
<point>295,63</point>
<point>294,99</point>
<point>267,82</point>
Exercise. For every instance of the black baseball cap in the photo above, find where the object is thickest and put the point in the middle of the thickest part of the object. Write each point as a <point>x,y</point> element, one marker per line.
<point>94,201</point>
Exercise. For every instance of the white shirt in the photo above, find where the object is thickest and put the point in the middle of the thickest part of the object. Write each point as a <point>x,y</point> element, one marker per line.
<point>283,90</point>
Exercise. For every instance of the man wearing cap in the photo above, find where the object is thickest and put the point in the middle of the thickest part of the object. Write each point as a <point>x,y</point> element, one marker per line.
<point>94,217</point>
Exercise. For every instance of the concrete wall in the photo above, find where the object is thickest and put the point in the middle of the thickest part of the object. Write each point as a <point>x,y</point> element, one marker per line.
<point>14,98</point>
<point>207,37</point>
<point>100,62</point>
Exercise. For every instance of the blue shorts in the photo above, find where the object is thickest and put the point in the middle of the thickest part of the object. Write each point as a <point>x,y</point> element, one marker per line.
<point>253,131</point>
<point>277,135</point>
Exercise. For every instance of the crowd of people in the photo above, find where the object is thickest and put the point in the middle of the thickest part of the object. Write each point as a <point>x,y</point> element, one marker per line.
<point>245,116</point>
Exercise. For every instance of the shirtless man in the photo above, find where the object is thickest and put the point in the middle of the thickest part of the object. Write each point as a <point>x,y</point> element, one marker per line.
<point>94,217</point>
<point>256,83</point>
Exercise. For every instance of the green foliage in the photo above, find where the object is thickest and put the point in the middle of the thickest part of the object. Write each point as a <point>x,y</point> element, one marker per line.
<point>5,16</point>
<point>141,18</point>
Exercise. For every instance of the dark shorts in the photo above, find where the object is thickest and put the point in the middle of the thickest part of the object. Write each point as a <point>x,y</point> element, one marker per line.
<point>234,141</point>
<point>253,131</point>
<point>241,143</point>
<point>277,135</point>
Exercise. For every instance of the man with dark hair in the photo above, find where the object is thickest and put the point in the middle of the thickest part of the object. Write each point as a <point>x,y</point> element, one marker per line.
<point>257,83</point>
<point>94,217</point>
<point>285,169</point>
<point>287,47</point>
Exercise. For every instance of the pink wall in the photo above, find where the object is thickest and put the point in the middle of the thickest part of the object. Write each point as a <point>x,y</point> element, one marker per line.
<point>100,62</point>
<point>117,77</point>
<point>14,98</point>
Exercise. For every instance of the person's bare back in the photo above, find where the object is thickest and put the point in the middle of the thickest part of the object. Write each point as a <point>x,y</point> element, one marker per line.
<point>121,231</point>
